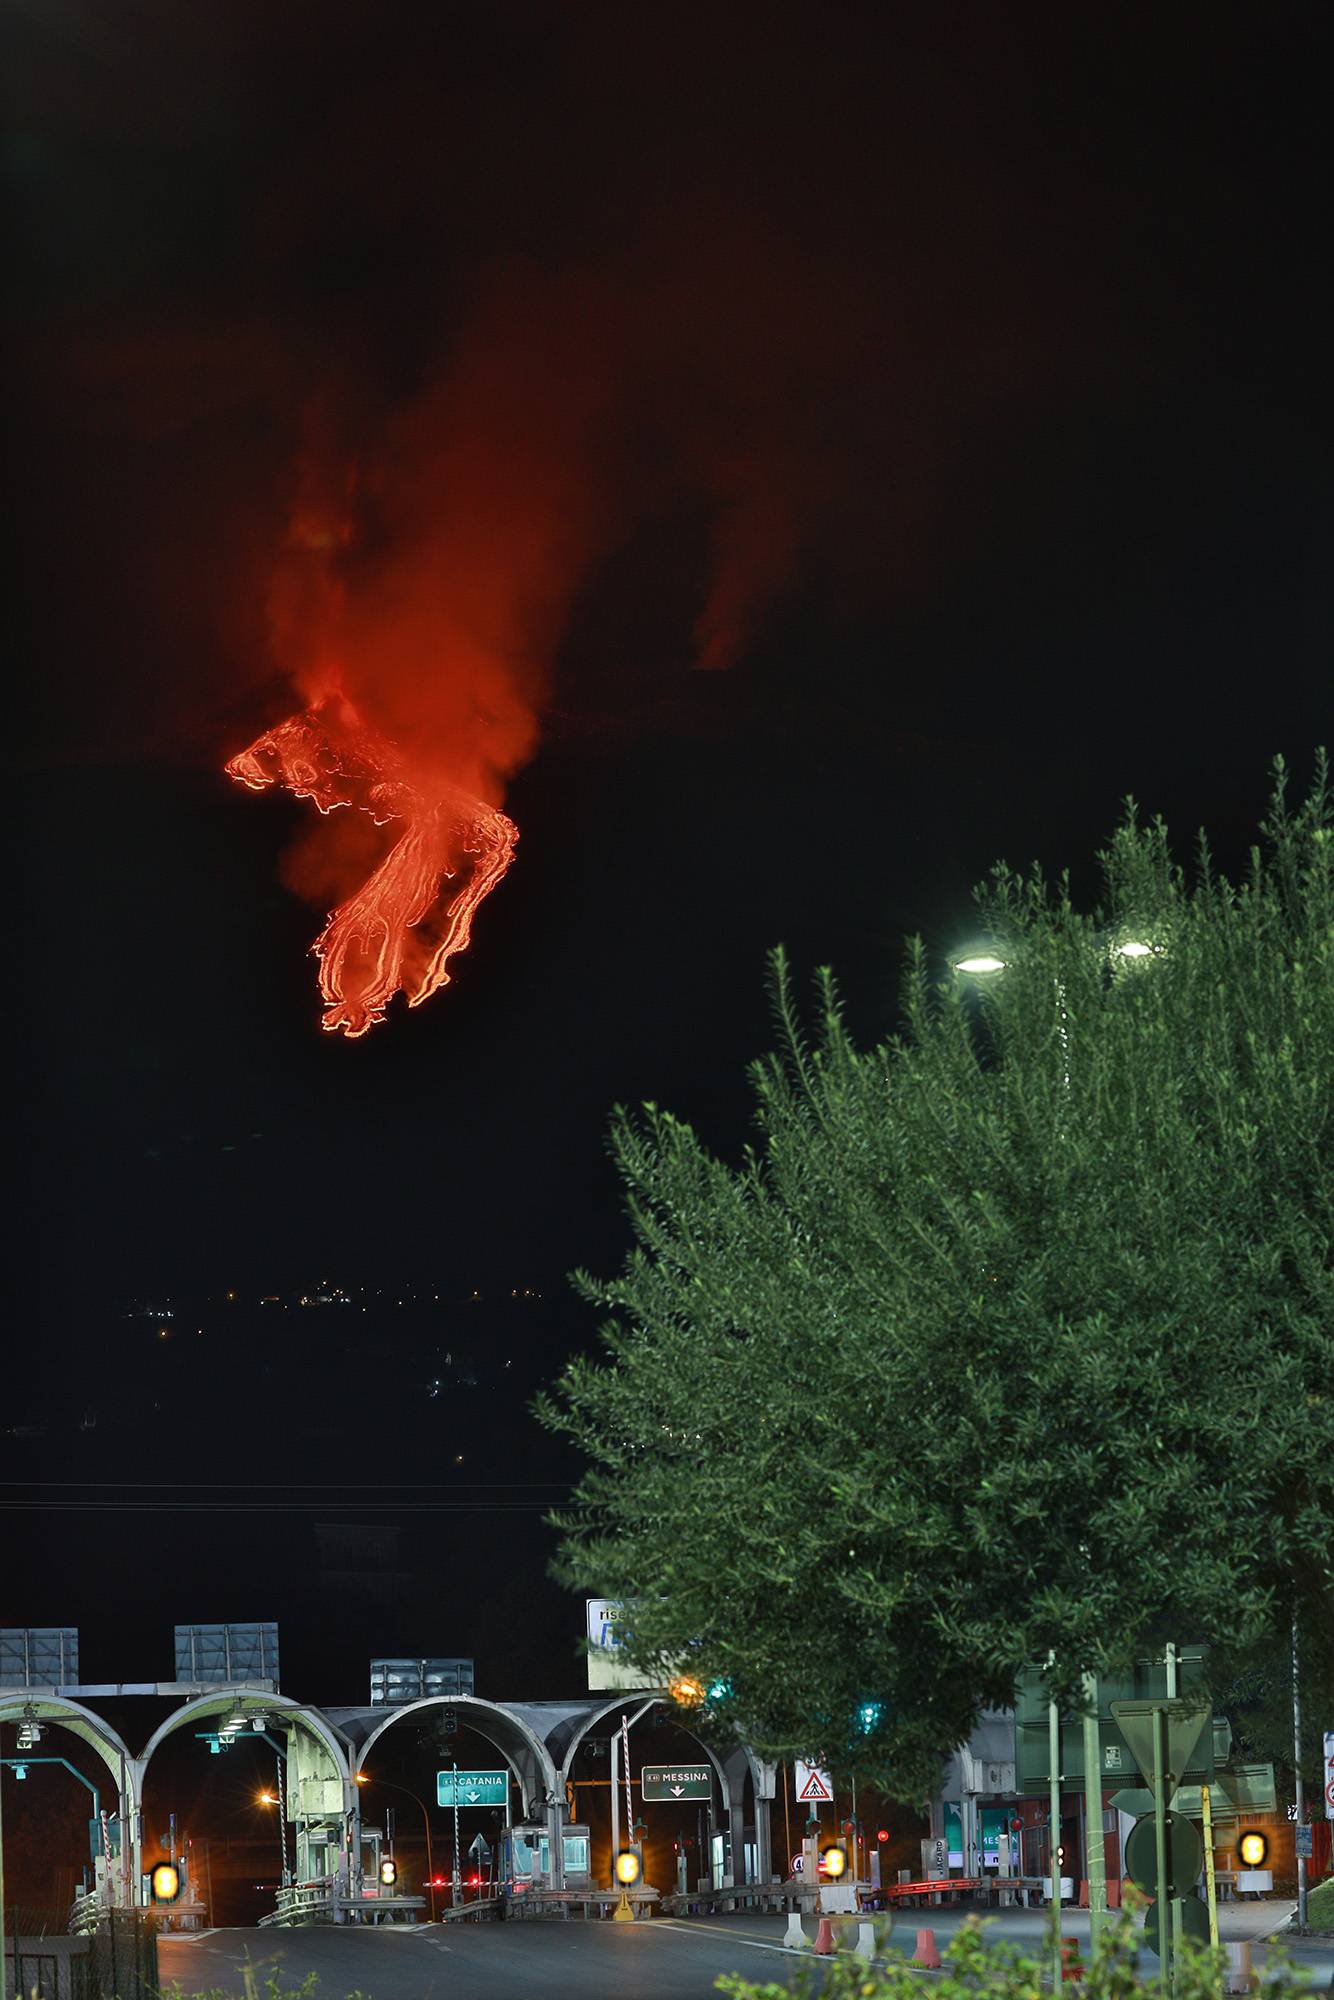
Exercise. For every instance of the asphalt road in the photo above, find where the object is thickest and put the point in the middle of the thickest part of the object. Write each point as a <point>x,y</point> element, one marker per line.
<point>661,1960</point>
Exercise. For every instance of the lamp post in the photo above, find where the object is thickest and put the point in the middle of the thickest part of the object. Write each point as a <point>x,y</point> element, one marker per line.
<point>987,962</point>
<point>363,1779</point>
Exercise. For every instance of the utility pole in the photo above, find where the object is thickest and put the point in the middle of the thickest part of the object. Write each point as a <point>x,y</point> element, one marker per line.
<point>1173,1690</point>
<point>1299,1791</point>
<point>1054,1840</point>
<point>2,1895</point>
<point>1093,1833</point>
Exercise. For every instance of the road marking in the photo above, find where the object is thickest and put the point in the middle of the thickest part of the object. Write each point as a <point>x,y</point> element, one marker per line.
<point>719,1930</point>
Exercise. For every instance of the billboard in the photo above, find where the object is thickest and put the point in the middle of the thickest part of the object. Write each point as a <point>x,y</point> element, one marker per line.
<point>213,1655</point>
<point>39,1656</point>
<point>608,1669</point>
<point>397,1681</point>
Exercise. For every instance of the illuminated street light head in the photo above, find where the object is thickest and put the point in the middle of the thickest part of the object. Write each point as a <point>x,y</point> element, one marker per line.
<point>983,962</point>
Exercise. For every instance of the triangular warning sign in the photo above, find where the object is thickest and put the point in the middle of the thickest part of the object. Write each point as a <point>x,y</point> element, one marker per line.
<point>815,1789</point>
<point>1185,1725</point>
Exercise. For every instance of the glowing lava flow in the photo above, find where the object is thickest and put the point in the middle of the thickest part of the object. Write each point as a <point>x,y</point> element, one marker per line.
<point>400,929</point>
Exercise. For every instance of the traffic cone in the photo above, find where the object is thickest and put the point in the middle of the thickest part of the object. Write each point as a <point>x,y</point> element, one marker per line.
<point>824,1938</point>
<point>865,1945</point>
<point>1239,1977</point>
<point>926,1954</point>
<point>1071,1964</point>
<point>795,1938</point>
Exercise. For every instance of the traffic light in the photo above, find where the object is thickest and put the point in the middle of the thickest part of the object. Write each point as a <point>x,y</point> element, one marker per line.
<point>165,1882</point>
<point>1253,1849</point>
<point>449,1723</point>
<point>629,1867</point>
<point>1060,1857</point>
<point>834,1860</point>
<point>388,1873</point>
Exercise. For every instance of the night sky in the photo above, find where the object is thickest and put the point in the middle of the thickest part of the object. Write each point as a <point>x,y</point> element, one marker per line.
<point>974,357</point>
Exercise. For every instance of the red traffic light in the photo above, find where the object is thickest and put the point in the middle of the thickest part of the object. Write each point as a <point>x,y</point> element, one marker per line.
<point>882,1835</point>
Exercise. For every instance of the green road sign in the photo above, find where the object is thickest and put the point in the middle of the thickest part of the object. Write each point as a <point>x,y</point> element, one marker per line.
<point>676,1781</point>
<point>1147,1682</point>
<point>1194,1922</point>
<point>1250,1788</point>
<point>1185,1853</point>
<point>471,1788</point>
<point>1185,1726</point>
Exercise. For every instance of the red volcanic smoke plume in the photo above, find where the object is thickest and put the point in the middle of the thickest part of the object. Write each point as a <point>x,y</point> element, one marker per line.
<point>416,610</point>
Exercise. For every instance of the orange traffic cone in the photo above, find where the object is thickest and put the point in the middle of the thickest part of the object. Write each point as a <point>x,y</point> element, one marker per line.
<point>1071,1965</point>
<point>824,1938</point>
<point>926,1953</point>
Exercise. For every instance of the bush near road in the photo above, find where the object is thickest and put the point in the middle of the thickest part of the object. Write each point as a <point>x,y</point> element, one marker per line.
<point>978,1966</point>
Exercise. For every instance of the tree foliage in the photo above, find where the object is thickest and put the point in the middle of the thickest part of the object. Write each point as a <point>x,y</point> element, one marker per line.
<point>981,1965</point>
<point>1008,1337</point>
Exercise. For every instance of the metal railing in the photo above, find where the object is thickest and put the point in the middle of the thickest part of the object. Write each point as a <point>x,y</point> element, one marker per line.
<point>87,1911</point>
<point>305,1903</point>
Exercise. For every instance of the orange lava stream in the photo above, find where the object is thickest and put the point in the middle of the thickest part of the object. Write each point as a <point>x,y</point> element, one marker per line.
<point>397,932</point>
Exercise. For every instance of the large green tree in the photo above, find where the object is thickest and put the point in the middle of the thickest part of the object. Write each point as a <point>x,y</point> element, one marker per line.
<point>1012,1336</point>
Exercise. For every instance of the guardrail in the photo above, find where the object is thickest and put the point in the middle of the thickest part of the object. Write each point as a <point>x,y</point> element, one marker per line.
<point>304,1903</point>
<point>87,1911</point>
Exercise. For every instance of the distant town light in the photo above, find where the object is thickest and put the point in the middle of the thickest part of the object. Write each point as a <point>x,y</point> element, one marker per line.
<point>980,961</point>
<point>1135,948</point>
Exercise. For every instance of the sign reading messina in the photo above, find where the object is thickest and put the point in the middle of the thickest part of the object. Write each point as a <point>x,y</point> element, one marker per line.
<point>608,1669</point>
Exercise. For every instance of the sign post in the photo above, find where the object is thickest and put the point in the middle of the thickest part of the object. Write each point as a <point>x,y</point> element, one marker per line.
<point>1161,1736</point>
<point>1209,1867</point>
<point>1054,1841</point>
<point>1097,1863</point>
<point>456,1893</point>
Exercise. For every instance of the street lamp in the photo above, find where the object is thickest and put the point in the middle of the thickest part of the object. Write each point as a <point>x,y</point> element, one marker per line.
<point>275,1798</point>
<point>1126,947</point>
<point>363,1778</point>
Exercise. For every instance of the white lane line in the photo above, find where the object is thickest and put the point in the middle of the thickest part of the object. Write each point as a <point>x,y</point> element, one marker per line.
<point>720,1930</point>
